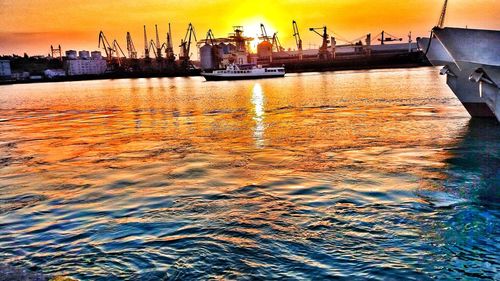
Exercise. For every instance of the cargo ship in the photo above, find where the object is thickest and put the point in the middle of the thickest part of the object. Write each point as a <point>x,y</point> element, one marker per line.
<point>471,62</point>
<point>243,72</point>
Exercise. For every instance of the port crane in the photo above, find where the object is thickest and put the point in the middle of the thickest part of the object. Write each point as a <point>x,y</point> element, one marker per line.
<point>152,48</point>
<point>276,43</point>
<point>158,45</point>
<point>391,38</point>
<point>323,50</point>
<point>263,33</point>
<point>104,43</point>
<point>112,49</point>
<point>298,40</point>
<point>186,46</point>
<point>146,47</point>
<point>169,49</point>
<point>216,54</point>
<point>209,39</point>
<point>443,15</point>
<point>116,48</point>
<point>132,53</point>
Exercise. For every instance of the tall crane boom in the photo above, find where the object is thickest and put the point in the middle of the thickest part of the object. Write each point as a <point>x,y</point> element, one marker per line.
<point>276,43</point>
<point>210,39</point>
<point>324,35</point>
<point>116,48</point>
<point>169,49</point>
<point>132,53</point>
<point>146,47</point>
<point>215,49</point>
<point>443,15</point>
<point>323,50</point>
<point>103,43</point>
<point>158,45</point>
<point>153,47</point>
<point>186,45</point>
<point>263,33</point>
<point>296,35</point>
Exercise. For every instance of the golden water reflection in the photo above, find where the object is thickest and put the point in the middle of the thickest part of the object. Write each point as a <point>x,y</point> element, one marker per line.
<point>97,132</point>
<point>258,103</point>
<point>153,172</point>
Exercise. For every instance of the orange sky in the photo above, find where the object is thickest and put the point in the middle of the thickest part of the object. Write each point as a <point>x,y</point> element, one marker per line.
<point>33,25</point>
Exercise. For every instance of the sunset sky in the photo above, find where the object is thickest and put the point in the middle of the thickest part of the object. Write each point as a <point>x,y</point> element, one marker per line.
<point>32,26</point>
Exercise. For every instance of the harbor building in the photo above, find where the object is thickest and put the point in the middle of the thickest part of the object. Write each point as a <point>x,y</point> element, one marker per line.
<point>84,63</point>
<point>5,71</point>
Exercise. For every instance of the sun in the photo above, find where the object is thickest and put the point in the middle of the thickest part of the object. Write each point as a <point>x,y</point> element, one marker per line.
<point>251,28</point>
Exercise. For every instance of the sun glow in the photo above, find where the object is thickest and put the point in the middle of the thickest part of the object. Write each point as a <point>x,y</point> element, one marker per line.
<point>76,25</point>
<point>251,28</point>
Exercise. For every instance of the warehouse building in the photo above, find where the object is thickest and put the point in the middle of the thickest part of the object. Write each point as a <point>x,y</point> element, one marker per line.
<point>5,71</point>
<point>84,64</point>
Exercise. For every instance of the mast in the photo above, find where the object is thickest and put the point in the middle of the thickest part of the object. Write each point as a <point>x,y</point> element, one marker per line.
<point>443,15</point>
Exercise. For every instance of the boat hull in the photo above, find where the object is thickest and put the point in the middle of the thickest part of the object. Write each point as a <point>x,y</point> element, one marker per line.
<point>472,66</point>
<point>472,46</point>
<point>467,92</point>
<point>209,77</point>
<point>457,79</point>
<point>435,51</point>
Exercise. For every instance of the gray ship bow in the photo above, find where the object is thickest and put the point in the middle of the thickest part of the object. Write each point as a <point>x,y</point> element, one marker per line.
<point>471,62</point>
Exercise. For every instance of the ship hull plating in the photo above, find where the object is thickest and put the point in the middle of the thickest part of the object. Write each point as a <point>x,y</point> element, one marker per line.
<point>471,63</point>
<point>466,91</point>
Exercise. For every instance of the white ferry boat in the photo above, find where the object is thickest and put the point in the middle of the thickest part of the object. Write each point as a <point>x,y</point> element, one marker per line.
<point>235,72</point>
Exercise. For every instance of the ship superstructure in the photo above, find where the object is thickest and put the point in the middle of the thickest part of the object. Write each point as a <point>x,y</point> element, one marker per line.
<point>243,72</point>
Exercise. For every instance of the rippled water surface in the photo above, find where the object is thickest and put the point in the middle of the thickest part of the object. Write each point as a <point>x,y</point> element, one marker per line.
<point>356,175</point>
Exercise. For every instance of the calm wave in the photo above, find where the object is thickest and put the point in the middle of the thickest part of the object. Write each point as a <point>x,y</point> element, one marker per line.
<point>356,175</point>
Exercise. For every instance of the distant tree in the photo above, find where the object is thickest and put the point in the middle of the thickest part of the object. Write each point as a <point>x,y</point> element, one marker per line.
<point>25,55</point>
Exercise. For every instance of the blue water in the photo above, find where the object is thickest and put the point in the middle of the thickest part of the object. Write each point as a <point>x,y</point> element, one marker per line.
<point>359,175</point>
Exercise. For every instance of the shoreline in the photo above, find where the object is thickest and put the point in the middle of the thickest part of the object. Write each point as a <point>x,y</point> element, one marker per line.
<point>116,76</point>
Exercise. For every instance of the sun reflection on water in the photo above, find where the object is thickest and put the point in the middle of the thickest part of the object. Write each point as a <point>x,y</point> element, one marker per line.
<point>258,103</point>
<point>324,174</point>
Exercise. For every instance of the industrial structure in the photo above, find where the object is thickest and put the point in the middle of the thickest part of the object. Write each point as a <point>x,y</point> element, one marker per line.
<point>158,57</point>
<point>298,40</point>
<point>5,71</point>
<point>56,52</point>
<point>185,52</point>
<point>218,52</point>
<point>85,63</point>
<point>269,51</point>
<point>132,53</point>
